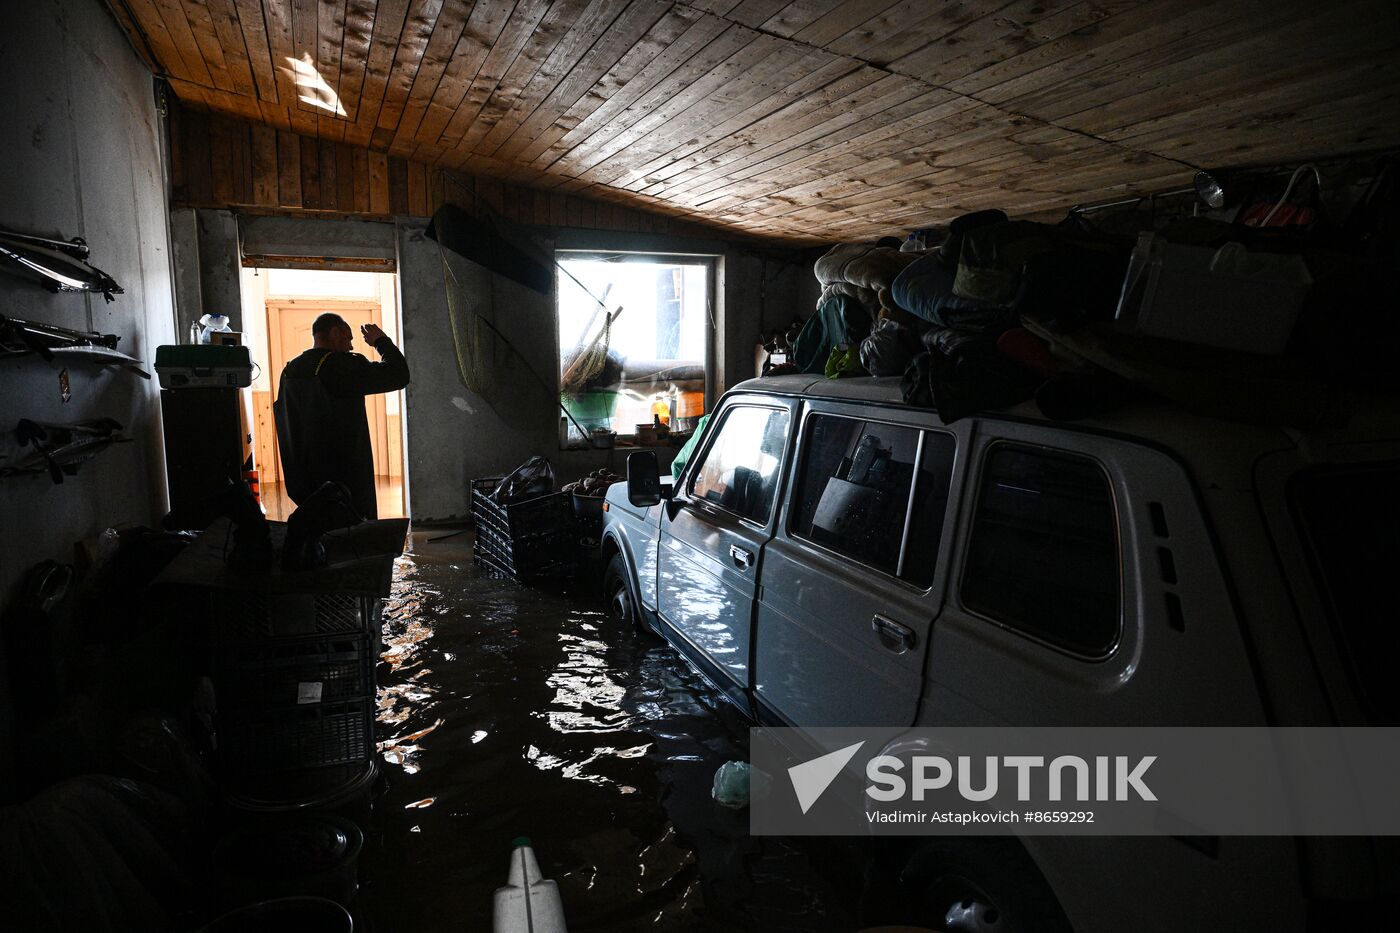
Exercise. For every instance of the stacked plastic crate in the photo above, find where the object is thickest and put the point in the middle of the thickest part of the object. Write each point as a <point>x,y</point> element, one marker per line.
<point>294,678</point>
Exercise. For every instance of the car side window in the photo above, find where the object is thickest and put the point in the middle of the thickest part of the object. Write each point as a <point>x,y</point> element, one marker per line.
<point>853,492</point>
<point>1043,556</point>
<point>740,469</point>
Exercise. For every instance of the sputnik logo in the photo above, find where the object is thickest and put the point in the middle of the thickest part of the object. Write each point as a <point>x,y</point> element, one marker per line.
<point>811,778</point>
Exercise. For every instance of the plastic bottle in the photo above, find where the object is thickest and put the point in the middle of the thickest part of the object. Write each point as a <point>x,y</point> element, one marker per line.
<point>212,323</point>
<point>527,903</point>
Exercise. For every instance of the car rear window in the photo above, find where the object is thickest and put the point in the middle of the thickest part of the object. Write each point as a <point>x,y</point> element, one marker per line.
<point>1043,557</point>
<point>1350,522</point>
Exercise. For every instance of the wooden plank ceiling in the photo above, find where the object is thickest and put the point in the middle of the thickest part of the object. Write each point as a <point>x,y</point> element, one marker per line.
<point>802,120</point>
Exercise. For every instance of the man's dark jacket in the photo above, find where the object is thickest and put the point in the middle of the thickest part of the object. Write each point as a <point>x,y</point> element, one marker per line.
<point>322,429</point>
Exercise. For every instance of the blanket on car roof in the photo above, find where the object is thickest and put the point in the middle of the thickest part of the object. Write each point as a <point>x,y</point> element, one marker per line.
<point>864,273</point>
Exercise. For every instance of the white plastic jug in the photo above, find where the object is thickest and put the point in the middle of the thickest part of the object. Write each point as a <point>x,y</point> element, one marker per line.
<point>528,903</point>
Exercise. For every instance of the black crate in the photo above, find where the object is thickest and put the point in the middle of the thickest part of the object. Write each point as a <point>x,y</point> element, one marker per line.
<point>254,616</point>
<point>514,520</point>
<point>291,673</point>
<point>296,737</point>
<point>523,540</point>
<point>547,554</point>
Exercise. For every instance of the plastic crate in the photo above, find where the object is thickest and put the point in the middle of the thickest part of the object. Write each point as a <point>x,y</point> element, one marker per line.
<point>250,615</point>
<point>523,540</point>
<point>515,520</point>
<point>296,737</point>
<point>294,673</point>
<point>547,554</point>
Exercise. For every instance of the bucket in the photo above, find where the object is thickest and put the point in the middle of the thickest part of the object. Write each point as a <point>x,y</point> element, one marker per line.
<point>690,405</point>
<point>344,789</point>
<point>588,513</point>
<point>285,915</point>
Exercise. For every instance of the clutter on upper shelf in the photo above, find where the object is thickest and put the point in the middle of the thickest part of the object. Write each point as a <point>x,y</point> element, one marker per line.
<point>1263,308</point>
<point>59,265</point>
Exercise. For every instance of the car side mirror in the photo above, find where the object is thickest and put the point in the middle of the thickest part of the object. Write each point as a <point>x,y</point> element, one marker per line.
<point>644,487</point>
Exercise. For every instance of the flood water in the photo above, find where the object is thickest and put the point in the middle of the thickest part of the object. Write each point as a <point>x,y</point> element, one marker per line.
<point>508,711</point>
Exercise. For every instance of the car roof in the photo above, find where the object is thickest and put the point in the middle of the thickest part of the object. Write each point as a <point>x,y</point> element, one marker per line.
<point>1203,440</point>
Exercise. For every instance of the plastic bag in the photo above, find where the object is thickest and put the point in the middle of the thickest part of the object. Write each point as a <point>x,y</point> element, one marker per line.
<point>534,477</point>
<point>731,787</point>
<point>889,348</point>
<point>843,361</point>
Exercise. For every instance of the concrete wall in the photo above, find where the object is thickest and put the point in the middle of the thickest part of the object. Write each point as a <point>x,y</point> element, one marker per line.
<point>207,266</point>
<point>82,156</point>
<point>454,434</point>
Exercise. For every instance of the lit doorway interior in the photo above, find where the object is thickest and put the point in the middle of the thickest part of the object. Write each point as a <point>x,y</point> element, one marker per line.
<point>279,306</point>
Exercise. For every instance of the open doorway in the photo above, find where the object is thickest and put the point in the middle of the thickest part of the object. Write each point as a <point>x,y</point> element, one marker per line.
<point>279,306</point>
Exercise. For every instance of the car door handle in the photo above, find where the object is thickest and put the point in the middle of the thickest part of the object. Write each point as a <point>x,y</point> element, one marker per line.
<point>740,556</point>
<point>894,636</point>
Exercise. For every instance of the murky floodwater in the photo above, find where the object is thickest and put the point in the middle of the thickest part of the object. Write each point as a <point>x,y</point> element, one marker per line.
<point>507,711</point>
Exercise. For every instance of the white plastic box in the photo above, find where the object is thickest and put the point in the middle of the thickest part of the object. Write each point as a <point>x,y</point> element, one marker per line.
<point>1229,297</point>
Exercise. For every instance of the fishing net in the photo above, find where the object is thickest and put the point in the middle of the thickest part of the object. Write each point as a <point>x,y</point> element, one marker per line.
<point>588,361</point>
<point>476,343</point>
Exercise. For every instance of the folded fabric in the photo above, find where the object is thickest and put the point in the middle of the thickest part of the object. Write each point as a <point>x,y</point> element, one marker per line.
<point>925,288</point>
<point>872,267</point>
<point>868,298</point>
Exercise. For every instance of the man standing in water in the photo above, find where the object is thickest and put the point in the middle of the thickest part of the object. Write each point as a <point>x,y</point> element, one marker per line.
<point>322,429</point>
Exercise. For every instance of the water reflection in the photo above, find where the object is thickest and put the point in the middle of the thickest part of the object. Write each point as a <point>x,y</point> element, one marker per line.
<point>506,711</point>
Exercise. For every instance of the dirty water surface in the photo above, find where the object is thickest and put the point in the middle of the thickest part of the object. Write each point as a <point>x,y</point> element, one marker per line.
<point>509,711</point>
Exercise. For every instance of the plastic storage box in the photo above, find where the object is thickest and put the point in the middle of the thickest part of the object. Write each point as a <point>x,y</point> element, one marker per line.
<point>203,366</point>
<point>523,540</point>
<point>1229,297</point>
